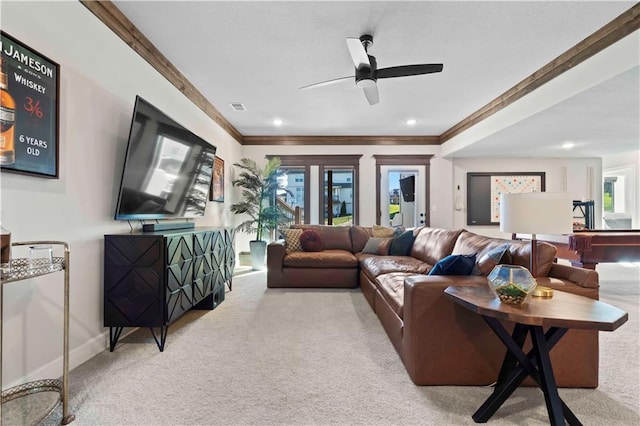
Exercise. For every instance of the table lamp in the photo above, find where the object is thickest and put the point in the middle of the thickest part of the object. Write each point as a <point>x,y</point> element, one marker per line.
<point>536,213</point>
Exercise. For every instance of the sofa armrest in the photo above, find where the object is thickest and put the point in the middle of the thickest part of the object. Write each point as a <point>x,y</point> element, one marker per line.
<point>435,328</point>
<point>275,254</point>
<point>586,278</point>
<point>275,261</point>
<point>440,336</point>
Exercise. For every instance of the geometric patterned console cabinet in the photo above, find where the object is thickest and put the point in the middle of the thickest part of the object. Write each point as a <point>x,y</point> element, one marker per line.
<point>151,278</point>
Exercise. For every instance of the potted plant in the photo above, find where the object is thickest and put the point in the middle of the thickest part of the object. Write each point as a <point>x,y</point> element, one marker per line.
<point>258,201</point>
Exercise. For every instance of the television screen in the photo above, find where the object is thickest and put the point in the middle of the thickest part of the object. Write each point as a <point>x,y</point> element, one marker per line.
<point>408,188</point>
<point>167,169</point>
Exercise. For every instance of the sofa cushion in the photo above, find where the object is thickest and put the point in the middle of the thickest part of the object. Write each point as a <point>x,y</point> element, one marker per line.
<point>292,239</point>
<point>454,264</point>
<point>359,237</point>
<point>310,241</point>
<point>334,237</point>
<point>401,245</point>
<point>383,231</point>
<point>487,261</point>
<point>519,251</point>
<point>391,287</point>
<point>321,259</point>
<point>433,244</point>
<point>469,243</point>
<point>375,266</point>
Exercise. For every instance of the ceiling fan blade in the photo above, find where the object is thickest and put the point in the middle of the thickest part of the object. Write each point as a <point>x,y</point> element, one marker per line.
<point>326,83</point>
<point>358,54</point>
<point>371,93</point>
<point>408,70</point>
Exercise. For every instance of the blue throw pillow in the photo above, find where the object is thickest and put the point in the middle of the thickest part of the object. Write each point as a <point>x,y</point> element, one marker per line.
<point>454,264</point>
<point>402,244</point>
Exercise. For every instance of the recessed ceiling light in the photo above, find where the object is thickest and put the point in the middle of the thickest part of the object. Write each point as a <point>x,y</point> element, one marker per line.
<point>568,145</point>
<point>411,122</point>
<point>277,122</point>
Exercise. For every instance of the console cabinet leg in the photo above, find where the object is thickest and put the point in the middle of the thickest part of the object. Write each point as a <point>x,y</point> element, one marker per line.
<point>114,336</point>
<point>163,336</point>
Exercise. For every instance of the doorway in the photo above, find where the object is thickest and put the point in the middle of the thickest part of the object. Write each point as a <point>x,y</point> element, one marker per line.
<point>619,205</point>
<point>402,201</point>
<point>413,171</point>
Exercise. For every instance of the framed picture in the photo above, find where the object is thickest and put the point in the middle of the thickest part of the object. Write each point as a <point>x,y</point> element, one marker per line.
<point>217,181</point>
<point>484,189</point>
<point>29,114</point>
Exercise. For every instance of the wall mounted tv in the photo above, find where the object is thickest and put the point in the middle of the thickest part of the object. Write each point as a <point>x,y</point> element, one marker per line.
<point>408,188</point>
<point>167,169</point>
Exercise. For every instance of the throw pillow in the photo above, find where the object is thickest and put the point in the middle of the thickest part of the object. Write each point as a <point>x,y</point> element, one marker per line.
<point>292,239</point>
<point>310,240</point>
<point>402,244</point>
<point>490,259</point>
<point>382,231</point>
<point>398,230</point>
<point>372,245</point>
<point>454,264</point>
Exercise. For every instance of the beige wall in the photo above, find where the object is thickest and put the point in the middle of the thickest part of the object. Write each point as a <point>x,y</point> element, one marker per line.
<point>99,79</point>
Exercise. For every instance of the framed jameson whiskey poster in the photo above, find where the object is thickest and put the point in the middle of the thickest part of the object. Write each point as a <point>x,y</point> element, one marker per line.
<point>29,84</point>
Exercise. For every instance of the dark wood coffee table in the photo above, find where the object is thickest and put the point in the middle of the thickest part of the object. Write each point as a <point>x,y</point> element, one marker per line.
<point>558,314</point>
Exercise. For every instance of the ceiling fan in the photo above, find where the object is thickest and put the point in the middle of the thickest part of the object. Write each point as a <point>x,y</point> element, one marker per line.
<point>367,72</point>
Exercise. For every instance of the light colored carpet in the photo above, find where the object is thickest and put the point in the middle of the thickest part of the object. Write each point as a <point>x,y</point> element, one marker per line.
<point>298,357</point>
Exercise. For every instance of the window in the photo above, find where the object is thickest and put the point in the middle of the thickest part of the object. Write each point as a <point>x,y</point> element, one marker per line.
<point>338,209</point>
<point>608,199</point>
<point>343,172</point>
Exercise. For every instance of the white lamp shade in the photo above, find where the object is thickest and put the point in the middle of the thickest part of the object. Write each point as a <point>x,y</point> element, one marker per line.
<point>536,213</point>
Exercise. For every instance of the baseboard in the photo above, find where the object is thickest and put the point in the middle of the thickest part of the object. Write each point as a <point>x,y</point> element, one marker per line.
<point>77,356</point>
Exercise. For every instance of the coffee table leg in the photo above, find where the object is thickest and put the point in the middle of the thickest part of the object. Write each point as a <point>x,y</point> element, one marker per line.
<point>510,362</point>
<point>547,380</point>
<point>513,373</point>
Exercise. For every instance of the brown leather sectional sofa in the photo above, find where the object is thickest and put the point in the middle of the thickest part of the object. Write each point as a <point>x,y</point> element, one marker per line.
<point>439,342</point>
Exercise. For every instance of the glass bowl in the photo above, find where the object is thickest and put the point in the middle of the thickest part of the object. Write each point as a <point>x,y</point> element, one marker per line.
<point>511,283</point>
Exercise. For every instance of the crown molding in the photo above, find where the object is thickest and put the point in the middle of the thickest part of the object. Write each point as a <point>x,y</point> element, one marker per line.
<point>341,140</point>
<point>607,35</point>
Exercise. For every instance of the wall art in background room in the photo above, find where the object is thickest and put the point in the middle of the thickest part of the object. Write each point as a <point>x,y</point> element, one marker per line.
<point>29,117</point>
<point>217,181</point>
<point>484,189</point>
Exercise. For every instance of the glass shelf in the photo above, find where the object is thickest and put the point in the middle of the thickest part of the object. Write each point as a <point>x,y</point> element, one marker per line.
<point>21,269</point>
<point>30,403</point>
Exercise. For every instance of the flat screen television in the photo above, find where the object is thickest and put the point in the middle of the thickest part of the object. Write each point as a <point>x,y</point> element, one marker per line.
<point>167,169</point>
<point>408,188</point>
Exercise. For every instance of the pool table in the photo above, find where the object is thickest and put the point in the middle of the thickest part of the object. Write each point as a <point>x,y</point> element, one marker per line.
<point>585,249</point>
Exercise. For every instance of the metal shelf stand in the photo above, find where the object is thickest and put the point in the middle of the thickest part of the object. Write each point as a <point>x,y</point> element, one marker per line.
<point>21,269</point>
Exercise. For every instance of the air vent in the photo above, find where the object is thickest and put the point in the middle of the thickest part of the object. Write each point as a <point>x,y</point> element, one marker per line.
<point>238,106</point>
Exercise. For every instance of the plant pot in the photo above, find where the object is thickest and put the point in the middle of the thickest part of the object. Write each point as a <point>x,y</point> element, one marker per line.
<point>258,254</point>
<point>245,258</point>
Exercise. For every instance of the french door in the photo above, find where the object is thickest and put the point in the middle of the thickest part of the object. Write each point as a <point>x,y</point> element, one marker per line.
<point>402,190</point>
<point>326,185</point>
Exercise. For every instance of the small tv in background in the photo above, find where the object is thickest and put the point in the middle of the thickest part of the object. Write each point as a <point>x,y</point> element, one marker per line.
<point>167,169</point>
<point>408,188</point>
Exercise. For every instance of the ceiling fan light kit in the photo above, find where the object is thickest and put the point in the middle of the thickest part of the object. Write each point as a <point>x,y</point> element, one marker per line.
<point>367,72</point>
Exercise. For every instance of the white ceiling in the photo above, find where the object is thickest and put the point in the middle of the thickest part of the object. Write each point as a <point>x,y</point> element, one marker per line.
<point>259,53</point>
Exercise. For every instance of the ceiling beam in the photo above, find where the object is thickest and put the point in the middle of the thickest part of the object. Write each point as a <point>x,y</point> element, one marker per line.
<point>113,18</point>
<point>620,27</point>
